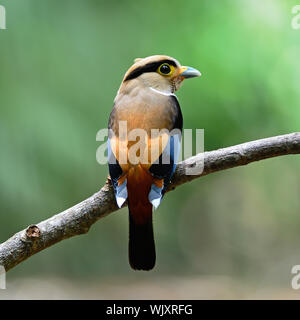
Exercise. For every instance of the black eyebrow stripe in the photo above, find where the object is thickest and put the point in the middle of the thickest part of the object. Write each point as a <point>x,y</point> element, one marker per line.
<point>149,67</point>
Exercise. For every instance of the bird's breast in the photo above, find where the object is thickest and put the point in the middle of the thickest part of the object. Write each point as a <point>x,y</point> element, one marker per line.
<point>137,122</point>
<point>146,110</point>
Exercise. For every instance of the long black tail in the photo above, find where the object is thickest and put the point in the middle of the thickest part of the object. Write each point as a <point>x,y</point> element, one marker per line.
<point>141,245</point>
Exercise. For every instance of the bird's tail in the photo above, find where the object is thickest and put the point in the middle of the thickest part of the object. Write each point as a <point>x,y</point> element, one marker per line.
<point>141,244</point>
<point>141,239</point>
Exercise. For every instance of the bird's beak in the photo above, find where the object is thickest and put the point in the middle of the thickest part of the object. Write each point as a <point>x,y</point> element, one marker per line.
<point>189,72</point>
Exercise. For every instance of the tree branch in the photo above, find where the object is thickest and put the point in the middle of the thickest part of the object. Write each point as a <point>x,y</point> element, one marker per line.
<point>78,219</point>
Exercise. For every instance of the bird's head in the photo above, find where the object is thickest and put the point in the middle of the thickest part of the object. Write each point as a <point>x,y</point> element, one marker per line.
<point>158,72</point>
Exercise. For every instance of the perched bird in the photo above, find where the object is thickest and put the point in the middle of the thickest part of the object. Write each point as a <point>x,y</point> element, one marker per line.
<point>145,101</point>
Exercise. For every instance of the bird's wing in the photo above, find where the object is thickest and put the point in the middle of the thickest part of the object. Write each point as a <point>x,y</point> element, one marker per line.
<point>164,167</point>
<point>116,174</point>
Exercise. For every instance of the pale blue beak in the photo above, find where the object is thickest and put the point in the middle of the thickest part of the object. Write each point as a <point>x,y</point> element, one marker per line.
<point>189,72</point>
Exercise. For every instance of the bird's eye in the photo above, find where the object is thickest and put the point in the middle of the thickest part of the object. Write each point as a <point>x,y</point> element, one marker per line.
<point>165,69</point>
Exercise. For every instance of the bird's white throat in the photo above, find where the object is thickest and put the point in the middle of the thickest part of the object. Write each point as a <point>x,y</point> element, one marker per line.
<point>164,93</point>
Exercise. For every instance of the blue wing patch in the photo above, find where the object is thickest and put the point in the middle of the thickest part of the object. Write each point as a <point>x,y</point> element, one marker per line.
<point>164,168</point>
<point>115,172</point>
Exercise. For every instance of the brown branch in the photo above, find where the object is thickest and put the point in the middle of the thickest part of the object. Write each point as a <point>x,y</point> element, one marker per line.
<point>78,219</point>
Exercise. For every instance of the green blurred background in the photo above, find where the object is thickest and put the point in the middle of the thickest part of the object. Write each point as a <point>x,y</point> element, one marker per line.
<point>232,234</point>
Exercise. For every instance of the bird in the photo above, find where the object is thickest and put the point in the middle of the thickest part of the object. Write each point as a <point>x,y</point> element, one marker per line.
<point>145,102</point>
